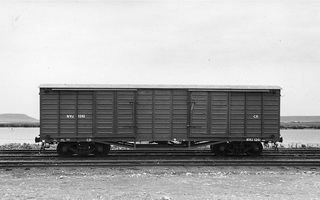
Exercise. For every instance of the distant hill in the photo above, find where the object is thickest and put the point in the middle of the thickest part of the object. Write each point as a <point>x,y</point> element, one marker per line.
<point>300,119</point>
<point>17,118</point>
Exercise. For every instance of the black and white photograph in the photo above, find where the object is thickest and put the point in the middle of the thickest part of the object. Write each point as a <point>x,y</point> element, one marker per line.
<point>159,99</point>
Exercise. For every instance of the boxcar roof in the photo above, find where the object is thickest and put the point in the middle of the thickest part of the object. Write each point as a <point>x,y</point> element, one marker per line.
<point>134,86</point>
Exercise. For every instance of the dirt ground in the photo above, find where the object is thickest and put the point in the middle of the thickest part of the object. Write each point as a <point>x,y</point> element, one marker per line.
<point>161,183</point>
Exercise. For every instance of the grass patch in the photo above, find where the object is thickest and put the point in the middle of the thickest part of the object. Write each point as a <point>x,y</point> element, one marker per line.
<point>19,146</point>
<point>22,124</point>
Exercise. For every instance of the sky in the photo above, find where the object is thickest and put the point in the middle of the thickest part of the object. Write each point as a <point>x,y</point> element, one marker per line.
<point>248,42</point>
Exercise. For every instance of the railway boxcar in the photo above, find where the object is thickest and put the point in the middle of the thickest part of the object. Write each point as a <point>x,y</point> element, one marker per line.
<point>87,119</point>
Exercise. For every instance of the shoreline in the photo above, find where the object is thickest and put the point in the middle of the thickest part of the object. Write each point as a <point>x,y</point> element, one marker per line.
<point>37,125</point>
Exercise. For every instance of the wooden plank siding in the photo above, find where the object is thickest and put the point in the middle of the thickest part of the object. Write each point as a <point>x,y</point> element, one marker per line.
<point>162,115</point>
<point>149,114</point>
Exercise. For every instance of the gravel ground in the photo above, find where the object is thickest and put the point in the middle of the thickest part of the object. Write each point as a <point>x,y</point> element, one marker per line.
<point>161,183</point>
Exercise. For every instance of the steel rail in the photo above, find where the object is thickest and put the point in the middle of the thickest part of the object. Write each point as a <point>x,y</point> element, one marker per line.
<point>289,151</point>
<point>126,163</point>
<point>157,156</point>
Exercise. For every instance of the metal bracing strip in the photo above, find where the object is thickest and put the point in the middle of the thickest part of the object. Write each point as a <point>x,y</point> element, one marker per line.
<point>59,118</point>
<point>171,114</point>
<point>135,103</point>
<point>262,114</point>
<point>245,114</point>
<point>153,115</point>
<point>41,118</point>
<point>76,114</point>
<point>41,102</point>
<point>94,113</point>
<point>209,116</point>
<point>229,115</point>
<point>189,104</point>
<point>279,96</point>
<point>115,112</point>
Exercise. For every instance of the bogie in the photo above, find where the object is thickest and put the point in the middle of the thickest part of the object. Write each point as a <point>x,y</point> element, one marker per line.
<point>237,148</point>
<point>67,149</point>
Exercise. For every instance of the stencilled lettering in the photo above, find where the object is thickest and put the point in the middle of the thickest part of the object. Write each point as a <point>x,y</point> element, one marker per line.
<point>72,116</point>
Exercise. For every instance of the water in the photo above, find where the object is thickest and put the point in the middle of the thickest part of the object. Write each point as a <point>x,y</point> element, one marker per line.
<point>18,135</point>
<point>298,137</point>
<point>293,138</point>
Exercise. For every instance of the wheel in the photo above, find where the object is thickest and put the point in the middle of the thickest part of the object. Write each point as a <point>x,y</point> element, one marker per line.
<point>102,150</point>
<point>212,148</point>
<point>63,149</point>
<point>219,149</point>
<point>256,149</point>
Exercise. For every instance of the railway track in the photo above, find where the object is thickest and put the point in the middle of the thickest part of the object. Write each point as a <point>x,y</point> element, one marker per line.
<point>283,157</point>
<point>124,163</point>
<point>138,154</point>
<point>162,156</point>
<point>198,151</point>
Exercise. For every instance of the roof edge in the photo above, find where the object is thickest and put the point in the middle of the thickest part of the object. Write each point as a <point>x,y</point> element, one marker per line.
<point>159,86</point>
